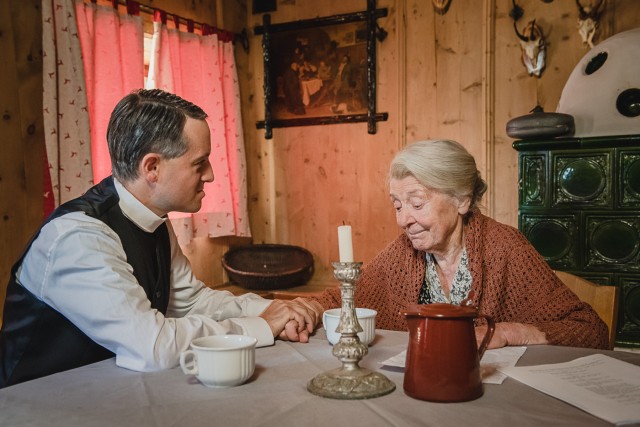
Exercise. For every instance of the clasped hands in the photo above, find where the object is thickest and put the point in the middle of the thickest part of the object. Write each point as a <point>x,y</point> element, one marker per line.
<point>293,320</point>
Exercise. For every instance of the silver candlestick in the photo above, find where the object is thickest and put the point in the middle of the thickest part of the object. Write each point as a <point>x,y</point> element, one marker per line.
<point>349,381</point>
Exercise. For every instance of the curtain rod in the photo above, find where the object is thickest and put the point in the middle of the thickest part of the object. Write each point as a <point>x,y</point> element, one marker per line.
<point>134,7</point>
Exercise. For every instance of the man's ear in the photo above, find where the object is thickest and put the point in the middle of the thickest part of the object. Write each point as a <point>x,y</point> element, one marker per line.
<point>149,167</point>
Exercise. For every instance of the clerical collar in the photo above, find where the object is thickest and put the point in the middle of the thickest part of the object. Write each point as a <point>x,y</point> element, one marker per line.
<point>137,212</point>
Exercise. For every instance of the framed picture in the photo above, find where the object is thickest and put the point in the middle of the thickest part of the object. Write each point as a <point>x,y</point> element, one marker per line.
<point>262,6</point>
<point>321,71</point>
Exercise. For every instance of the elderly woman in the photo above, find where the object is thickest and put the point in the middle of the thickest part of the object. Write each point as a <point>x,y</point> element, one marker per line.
<point>450,251</point>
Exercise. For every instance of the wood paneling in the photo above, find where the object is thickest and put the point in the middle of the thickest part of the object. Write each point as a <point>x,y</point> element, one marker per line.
<point>456,76</point>
<point>318,177</point>
<point>21,133</point>
<point>516,93</point>
<point>444,73</point>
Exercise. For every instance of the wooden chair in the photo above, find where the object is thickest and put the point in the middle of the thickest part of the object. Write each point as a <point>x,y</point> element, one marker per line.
<point>603,299</point>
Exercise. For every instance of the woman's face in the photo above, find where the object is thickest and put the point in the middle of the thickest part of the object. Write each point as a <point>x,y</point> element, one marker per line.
<point>429,218</point>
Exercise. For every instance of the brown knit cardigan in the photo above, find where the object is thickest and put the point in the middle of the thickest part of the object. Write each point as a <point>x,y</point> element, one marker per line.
<point>512,283</point>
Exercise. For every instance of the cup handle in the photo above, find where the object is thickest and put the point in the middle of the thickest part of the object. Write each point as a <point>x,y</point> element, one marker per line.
<point>324,325</point>
<point>189,362</point>
<point>491,327</point>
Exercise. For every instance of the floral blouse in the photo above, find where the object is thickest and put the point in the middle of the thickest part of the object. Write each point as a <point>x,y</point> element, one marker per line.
<point>431,290</point>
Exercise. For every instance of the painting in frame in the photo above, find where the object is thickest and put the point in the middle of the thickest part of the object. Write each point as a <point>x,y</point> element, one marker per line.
<point>320,71</point>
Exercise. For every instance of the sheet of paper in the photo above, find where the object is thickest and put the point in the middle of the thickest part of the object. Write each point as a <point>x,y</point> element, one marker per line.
<point>600,385</point>
<point>491,362</point>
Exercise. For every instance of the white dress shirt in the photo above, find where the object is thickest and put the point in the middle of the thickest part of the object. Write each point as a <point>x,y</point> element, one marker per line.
<point>78,267</point>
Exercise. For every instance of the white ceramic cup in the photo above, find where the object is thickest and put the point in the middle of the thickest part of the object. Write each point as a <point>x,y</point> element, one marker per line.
<point>366,318</point>
<point>220,360</point>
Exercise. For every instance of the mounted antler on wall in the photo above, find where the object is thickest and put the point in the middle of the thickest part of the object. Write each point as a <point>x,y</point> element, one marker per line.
<point>588,20</point>
<point>534,48</point>
<point>441,6</point>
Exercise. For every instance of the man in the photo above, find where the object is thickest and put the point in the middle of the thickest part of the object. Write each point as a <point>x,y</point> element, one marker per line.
<point>342,86</point>
<point>105,276</point>
<point>293,90</point>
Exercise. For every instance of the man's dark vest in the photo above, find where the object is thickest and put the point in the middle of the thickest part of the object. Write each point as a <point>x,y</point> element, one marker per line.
<point>35,339</point>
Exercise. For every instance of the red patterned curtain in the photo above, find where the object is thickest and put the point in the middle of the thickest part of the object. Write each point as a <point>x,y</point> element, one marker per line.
<point>66,116</point>
<point>93,56</point>
<point>201,68</point>
<point>113,57</point>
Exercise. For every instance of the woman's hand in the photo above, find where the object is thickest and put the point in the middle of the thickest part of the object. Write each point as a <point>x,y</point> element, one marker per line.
<point>511,334</point>
<point>313,307</point>
<point>293,320</point>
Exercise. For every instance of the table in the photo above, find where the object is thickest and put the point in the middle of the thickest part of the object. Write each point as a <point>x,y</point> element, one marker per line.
<point>103,394</point>
<point>309,88</point>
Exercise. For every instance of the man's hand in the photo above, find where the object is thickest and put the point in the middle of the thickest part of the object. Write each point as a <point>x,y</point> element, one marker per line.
<point>293,320</point>
<point>312,306</point>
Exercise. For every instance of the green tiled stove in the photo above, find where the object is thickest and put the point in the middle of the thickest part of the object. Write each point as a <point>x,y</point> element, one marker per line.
<point>579,205</point>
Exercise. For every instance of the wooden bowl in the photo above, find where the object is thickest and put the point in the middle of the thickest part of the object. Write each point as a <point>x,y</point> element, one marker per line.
<point>268,266</point>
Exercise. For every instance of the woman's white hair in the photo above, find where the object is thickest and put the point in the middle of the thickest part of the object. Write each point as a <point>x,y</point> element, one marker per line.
<point>442,165</point>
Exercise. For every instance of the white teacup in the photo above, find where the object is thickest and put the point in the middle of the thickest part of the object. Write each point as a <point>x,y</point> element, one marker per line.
<point>220,360</point>
<point>366,318</point>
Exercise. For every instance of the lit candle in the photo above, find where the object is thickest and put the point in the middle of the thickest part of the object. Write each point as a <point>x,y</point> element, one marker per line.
<point>345,247</point>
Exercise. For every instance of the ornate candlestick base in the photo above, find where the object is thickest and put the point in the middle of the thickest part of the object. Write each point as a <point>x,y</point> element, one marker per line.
<point>349,381</point>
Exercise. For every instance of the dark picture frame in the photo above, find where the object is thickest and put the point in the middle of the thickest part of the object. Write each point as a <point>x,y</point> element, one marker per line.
<point>262,6</point>
<point>321,71</point>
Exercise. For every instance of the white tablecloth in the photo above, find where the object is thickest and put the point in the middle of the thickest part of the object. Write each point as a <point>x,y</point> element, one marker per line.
<point>309,88</point>
<point>104,395</point>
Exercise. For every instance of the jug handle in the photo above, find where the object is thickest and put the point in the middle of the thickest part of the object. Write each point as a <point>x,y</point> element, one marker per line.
<point>491,327</point>
<point>468,301</point>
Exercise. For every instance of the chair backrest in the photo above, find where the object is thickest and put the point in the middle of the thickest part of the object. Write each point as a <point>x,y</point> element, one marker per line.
<point>604,299</point>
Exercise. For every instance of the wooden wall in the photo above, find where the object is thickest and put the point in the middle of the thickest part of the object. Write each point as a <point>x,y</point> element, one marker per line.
<point>21,129</point>
<point>308,180</point>
<point>455,76</point>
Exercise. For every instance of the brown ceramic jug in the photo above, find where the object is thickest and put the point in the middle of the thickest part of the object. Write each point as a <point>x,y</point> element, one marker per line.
<point>443,358</point>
